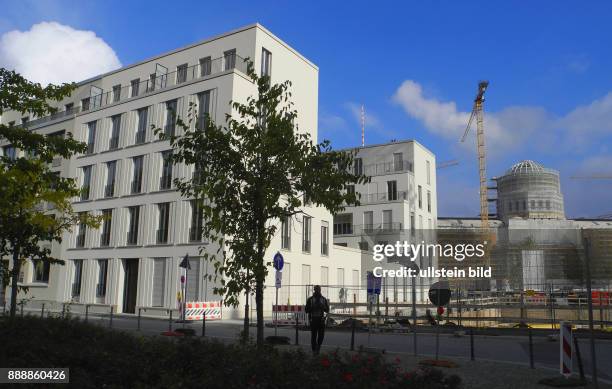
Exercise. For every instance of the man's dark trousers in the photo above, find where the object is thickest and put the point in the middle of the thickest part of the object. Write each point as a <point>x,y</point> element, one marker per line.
<point>317,332</point>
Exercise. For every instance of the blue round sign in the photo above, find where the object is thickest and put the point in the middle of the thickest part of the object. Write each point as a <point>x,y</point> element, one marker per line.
<point>279,261</point>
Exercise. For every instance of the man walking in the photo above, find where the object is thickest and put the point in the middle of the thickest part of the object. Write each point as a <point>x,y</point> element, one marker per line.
<point>316,308</point>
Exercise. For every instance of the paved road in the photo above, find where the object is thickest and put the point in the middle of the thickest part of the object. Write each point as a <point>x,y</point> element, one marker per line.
<point>514,349</point>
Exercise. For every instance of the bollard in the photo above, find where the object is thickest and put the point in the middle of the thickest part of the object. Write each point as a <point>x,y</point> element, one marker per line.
<point>297,334</point>
<point>353,335</point>
<point>170,321</point>
<point>86,312</point>
<point>472,344</point>
<point>110,323</point>
<point>42,311</point>
<point>580,367</point>
<point>531,363</point>
<point>203,324</point>
<point>139,313</point>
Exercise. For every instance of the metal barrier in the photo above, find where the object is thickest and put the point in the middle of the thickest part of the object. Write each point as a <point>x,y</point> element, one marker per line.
<point>198,310</point>
<point>288,315</point>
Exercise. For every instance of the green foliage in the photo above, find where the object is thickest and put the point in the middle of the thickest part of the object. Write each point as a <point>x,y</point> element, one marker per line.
<point>98,357</point>
<point>253,172</point>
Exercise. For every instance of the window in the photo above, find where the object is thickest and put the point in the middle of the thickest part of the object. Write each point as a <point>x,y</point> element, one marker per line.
<point>141,131</point>
<point>428,201</point>
<point>229,58</point>
<point>116,93</point>
<point>205,66</point>
<point>170,126</point>
<point>111,171</point>
<point>137,164</point>
<point>10,152</point>
<point>324,238</point>
<point>85,104</point>
<point>41,271</point>
<point>82,229</point>
<point>102,277</point>
<point>358,166</point>
<point>340,277</point>
<point>133,215</point>
<point>387,219</point>
<point>159,281</point>
<point>197,221</point>
<point>368,220</point>
<point>286,233</point>
<point>85,188</point>
<point>350,189</point>
<point>181,73</point>
<point>412,224</point>
<point>165,182</point>
<point>135,84</point>
<point>69,107</point>
<point>428,170</point>
<point>524,205</point>
<point>91,137</point>
<point>203,108</point>
<point>398,161</point>
<point>306,233</point>
<point>420,195</point>
<point>540,204</point>
<point>107,221</point>
<point>115,132</point>
<point>266,63</point>
<point>152,81</point>
<point>163,211</point>
<point>391,190</point>
<point>78,276</point>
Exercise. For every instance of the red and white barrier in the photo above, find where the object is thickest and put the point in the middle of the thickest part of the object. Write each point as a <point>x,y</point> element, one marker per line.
<point>196,310</point>
<point>287,314</point>
<point>566,341</point>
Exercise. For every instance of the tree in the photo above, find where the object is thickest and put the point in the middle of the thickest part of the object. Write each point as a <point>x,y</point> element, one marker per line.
<point>26,182</point>
<point>252,173</point>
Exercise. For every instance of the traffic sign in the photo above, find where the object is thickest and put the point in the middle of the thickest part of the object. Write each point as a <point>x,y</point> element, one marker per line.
<point>279,279</point>
<point>278,261</point>
<point>374,283</point>
<point>440,293</point>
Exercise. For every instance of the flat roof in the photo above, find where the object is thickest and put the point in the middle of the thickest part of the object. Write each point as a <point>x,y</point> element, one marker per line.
<point>387,144</point>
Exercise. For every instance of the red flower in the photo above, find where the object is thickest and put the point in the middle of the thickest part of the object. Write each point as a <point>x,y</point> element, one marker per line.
<point>325,362</point>
<point>348,377</point>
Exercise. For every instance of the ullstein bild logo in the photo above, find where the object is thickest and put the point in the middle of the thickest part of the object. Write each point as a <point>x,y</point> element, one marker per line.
<point>412,251</point>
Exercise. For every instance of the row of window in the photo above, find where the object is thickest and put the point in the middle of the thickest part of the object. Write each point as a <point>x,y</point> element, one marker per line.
<point>343,223</point>
<point>523,205</point>
<point>134,219</point>
<point>286,228</point>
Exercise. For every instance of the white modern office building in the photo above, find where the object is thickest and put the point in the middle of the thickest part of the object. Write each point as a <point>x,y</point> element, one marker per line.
<point>132,260</point>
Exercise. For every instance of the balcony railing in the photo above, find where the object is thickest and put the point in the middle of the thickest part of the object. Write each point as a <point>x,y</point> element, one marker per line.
<point>382,197</point>
<point>55,116</point>
<point>365,229</point>
<point>195,234</point>
<point>165,182</point>
<point>162,236</point>
<point>377,169</point>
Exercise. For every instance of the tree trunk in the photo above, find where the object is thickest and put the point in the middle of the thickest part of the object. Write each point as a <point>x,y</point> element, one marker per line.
<point>14,279</point>
<point>246,311</point>
<point>259,291</point>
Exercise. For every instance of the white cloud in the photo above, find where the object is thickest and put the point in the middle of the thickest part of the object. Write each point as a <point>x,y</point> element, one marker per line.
<point>50,52</point>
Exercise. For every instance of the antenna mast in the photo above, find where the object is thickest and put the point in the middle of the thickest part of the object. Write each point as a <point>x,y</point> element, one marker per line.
<point>362,125</point>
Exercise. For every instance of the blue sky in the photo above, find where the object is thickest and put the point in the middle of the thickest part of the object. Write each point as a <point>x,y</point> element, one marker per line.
<point>415,67</point>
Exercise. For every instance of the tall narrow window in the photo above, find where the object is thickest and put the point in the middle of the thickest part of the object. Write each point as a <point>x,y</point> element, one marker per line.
<point>137,164</point>
<point>91,137</point>
<point>115,132</point>
<point>10,152</point>
<point>324,238</point>
<point>391,190</point>
<point>163,210</point>
<point>86,187</point>
<point>306,233</point>
<point>159,281</point>
<point>102,277</point>
<point>165,182</point>
<point>229,58</point>
<point>169,128</point>
<point>358,166</point>
<point>111,172</point>
<point>203,108</point>
<point>398,162</point>
<point>78,277</point>
<point>141,131</point>
<point>205,66</point>
<point>368,220</point>
<point>82,230</point>
<point>197,220</point>
<point>116,93</point>
<point>412,224</point>
<point>266,63</point>
<point>69,108</point>
<point>387,219</point>
<point>133,215</point>
<point>181,73</point>
<point>135,86</point>
<point>41,271</point>
<point>85,104</point>
<point>107,222</point>
<point>428,201</point>
<point>428,171</point>
<point>286,233</point>
<point>420,197</point>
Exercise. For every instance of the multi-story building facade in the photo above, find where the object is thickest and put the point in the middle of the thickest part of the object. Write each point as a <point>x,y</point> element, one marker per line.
<point>132,260</point>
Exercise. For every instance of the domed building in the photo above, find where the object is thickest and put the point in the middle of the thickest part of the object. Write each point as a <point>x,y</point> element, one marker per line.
<point>529,191</point>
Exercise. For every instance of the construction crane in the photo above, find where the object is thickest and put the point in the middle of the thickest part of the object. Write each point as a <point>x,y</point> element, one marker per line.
<point>477,112</point>
<point>445,164</point>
